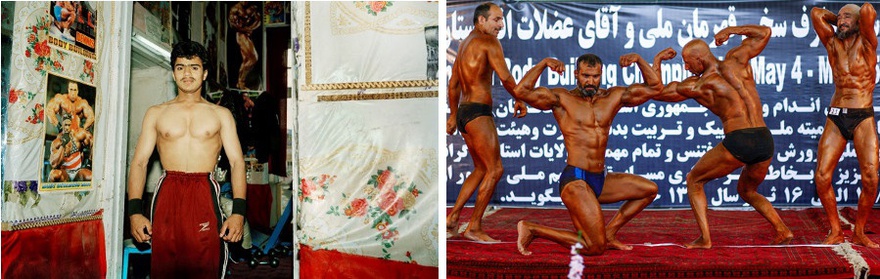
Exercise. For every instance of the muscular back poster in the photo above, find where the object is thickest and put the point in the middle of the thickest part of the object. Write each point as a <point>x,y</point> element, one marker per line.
<point>244,44</point>
<point>70,127</point>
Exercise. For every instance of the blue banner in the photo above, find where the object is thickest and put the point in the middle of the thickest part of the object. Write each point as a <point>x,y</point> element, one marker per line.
<point>659,141</point>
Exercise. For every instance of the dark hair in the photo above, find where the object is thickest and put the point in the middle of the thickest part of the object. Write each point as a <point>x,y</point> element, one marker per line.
<point>590,59</point>
<point>483,11</point>
<point>190,50</point>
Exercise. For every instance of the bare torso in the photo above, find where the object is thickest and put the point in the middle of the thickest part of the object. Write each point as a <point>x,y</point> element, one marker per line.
<point>188,136</point>
<point>472,66</point>
<point>729,92</point>
<point>852,52</point>
<point>585,118</point>
<point>854,72</point>
<point>585,124</point>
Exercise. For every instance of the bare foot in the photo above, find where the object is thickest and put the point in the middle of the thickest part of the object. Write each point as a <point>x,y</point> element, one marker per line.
<point>451,227</point>
<point>479,237</point>
<point>863,240</point>
<point>833,238</point>
<point>699,243</point>
<point>782,238</point>
<point>524,238</point>
<point>614,244</point>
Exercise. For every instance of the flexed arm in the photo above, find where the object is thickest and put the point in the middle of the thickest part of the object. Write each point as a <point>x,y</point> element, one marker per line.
<point>541,98</point>
<point>640,93</point>
<point>867,15</point>
<point>56,153</point>
<point>757,37</point>
<point>823,20</point>
<point>678,91</point>
<point>51,110</point>
<point>87,112</point>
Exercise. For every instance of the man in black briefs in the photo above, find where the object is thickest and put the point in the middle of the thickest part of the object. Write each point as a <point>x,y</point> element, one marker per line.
<point>585,115</point>
<point>479,55</point>
<point>727,89</point>
<point>852,53</point>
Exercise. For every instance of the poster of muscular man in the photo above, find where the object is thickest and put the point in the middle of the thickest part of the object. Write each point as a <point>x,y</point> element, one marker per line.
<point>70,126</point>
<point>73,26</point>
<point>244,43</point>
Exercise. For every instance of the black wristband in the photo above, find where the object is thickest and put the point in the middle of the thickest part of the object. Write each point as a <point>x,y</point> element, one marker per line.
<point>239,206</point>
<point>135,206</point>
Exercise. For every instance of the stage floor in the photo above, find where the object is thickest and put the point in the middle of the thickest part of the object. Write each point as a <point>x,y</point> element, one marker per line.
<point>740,247</point>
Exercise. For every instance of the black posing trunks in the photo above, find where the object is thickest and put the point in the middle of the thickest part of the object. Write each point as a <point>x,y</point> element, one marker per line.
<point>847,119</point>
<point>469,111</point>
<point>750,145</point>
<point>572,173</point>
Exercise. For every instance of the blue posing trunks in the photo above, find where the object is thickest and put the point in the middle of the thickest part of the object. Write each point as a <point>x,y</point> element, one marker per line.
<point>572,173</point>
<point>57,10</point>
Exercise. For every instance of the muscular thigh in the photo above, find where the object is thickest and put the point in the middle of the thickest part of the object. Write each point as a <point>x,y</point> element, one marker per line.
<point>582,205</point>
<point>831,146</point>
<point>482,139</point>
<point>866,145</point>
<point>625,186</point>
<point>717,162</point>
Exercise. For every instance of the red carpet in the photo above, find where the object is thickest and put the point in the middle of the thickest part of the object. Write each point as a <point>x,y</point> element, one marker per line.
<point>331,264</point>
<point>729,228</point>
<point>872,229</point>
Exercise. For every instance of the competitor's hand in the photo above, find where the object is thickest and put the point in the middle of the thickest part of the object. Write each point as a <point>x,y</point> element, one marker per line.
<point>555,65</point>
<point>231,230</point>
<point>666,54</point>
<point>628,59</point>
<point>721,37</point>
<point>141,228</point>
<point>451,124</point>
<point>520,109</point>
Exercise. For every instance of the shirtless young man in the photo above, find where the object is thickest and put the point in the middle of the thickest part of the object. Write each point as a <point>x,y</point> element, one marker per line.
<point>585,115</point>
<point>727,89</point>
<point>852,53</point>
<point>188,132</point>
<point>479,55</point>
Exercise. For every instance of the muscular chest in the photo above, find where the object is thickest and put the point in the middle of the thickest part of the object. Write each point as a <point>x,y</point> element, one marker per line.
<point>585,114</point>
<point>66,105</point>
<point>193,124</point>
<point>849,59</point>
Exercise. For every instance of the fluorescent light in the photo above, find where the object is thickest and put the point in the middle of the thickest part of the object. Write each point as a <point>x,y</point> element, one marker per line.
<point>150,46</point>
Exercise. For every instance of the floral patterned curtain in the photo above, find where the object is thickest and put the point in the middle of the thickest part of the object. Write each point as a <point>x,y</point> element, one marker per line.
<point>367,159</point>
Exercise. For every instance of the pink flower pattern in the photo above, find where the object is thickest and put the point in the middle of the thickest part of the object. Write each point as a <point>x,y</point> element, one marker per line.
<point>38,47</point>
<point>314,188</point>
<point>22,98</point>
<point>374,7</point>
<point>386,199</point>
